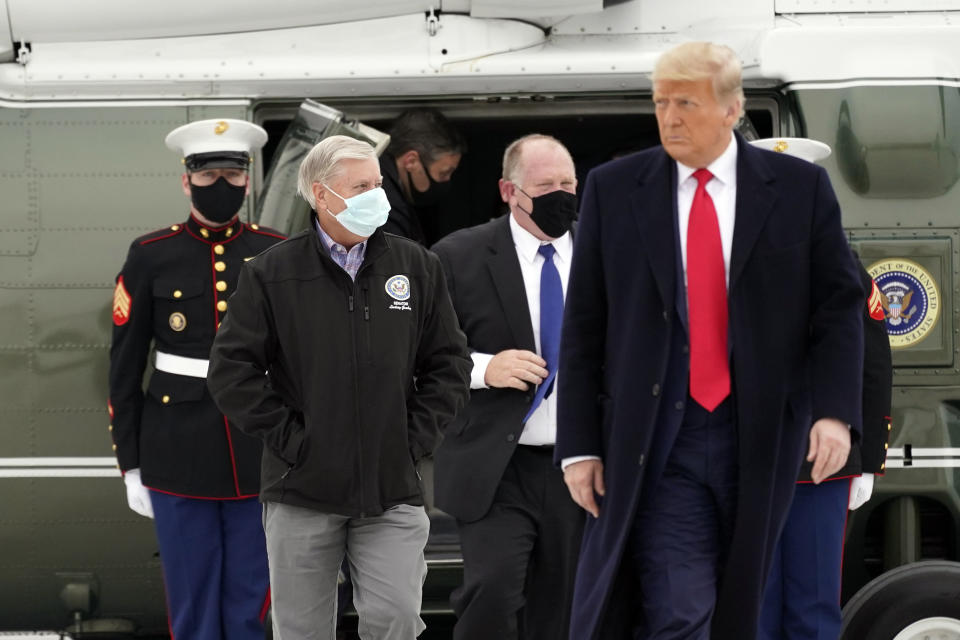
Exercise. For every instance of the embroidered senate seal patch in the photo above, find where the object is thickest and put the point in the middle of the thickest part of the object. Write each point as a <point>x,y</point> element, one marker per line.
<point>398,287</point>
<point>910,300</point>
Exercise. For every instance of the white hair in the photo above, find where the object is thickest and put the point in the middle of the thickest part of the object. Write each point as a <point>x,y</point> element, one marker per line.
<point>322,164</point>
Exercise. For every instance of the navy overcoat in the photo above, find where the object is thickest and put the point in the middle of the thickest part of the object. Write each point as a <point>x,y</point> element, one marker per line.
<point>796,345</point>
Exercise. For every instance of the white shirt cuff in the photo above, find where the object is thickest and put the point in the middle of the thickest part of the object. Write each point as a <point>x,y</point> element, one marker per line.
<point>566,462</point>
<point>480,362</point>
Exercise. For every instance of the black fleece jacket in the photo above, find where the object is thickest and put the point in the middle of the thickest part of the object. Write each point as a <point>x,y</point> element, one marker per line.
<point>347,383</point>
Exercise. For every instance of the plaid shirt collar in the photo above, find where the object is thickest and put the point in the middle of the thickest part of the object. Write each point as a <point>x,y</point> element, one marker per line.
<point>350,260</point>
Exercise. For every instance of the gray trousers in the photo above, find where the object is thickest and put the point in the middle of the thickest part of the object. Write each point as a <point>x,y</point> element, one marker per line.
<point>385,555</point>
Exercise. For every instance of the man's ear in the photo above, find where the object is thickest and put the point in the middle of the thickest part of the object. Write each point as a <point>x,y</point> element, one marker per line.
<point>409,160</point>
<point>733,112</point>
<point>185,183</point>
<point>507,190</point>
<point>319,197</point>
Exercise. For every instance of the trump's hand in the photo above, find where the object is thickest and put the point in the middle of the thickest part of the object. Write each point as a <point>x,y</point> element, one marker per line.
<point>584,479</point>
<point>829,448</point>
<point>515,368</point>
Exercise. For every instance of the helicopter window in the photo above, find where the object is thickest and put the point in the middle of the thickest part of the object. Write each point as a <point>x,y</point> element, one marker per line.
<point>890,144</point>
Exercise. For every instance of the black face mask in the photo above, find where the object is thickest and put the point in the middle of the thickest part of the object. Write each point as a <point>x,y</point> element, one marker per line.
<point>435,192</point>
<point>218,202</point>
<point>553,212</point>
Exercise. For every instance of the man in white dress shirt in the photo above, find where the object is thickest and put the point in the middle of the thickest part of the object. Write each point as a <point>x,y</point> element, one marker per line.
<point>519,528</point>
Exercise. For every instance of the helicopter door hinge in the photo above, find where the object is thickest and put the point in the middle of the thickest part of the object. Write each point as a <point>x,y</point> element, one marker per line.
<point>433,23</point>
<point>23,52</point>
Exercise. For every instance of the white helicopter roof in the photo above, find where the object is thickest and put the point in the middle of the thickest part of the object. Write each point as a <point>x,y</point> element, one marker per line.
<point>115,49</point>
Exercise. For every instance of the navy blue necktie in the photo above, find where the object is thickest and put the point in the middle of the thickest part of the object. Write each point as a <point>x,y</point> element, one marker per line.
<point>551,319</point>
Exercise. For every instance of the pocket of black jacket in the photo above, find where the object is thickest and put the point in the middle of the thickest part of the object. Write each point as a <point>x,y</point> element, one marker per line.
<point>179,309</point>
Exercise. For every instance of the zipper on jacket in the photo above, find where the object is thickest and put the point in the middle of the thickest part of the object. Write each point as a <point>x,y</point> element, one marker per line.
<point>367,356</point>
<point>283,481</point>
<point>356,372</point>
<point>356,403</point>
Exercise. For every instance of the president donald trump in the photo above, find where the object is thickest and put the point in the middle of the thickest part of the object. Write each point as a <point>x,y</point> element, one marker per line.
<point>711,340</point>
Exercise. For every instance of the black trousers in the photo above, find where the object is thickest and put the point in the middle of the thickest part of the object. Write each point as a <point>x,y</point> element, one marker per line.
<point>683,528</point>
<point>520,558</point>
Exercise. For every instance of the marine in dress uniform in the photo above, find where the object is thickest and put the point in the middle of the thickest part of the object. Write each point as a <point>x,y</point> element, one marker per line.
<point>802,597</point>
<point>183,462</point>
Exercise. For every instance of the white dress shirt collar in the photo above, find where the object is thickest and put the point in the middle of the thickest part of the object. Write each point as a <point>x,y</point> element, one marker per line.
<point>528,245</point>
<point>722,190</point>
<point>724,168</point>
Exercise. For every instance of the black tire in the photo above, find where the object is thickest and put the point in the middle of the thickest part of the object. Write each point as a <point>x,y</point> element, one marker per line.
<point>900,597</point>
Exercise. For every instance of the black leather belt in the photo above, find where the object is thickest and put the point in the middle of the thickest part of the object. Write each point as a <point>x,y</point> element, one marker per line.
<point>537,448</point>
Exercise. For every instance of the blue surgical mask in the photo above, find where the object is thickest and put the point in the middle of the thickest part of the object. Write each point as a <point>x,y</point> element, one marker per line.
<point>364,213</point>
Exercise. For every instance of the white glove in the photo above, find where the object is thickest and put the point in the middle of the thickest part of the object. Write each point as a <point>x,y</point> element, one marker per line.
<point>138,496</point>
<point>861,488</point>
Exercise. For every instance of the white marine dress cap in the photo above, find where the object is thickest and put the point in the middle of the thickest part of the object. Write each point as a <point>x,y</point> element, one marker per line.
<point>804,148</point>
<point>217,144</point>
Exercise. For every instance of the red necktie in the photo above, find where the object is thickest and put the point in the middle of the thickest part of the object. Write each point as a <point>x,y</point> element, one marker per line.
<point>706,301</point>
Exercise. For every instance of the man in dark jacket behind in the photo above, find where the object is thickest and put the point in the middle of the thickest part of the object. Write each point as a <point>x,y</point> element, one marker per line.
<point>342,352</point>
<point>424,152</point>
